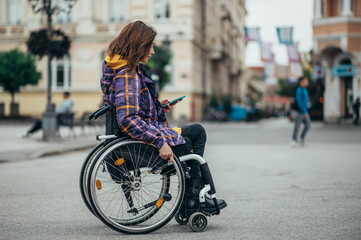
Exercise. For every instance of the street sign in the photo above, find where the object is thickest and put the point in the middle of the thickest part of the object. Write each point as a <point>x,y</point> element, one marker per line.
<point>318,72</point>
<point>346,70</point>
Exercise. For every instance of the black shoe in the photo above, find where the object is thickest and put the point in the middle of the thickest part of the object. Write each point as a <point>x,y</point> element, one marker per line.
<point>211,207</point>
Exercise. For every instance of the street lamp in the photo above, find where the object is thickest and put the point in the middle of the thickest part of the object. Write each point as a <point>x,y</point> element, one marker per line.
<point>45,7</point>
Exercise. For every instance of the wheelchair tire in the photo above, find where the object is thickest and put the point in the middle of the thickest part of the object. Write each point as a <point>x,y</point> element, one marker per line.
<point>84,174</point>
<point>132,190</point>
<point>98,149</point>
<point>180,219</point>
<point>198,222</point>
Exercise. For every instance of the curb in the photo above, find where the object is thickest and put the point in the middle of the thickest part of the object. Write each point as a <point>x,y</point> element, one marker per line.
<point>23,155</point>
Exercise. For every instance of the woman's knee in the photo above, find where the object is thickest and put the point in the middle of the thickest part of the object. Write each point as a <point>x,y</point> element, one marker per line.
<point>199,129</point>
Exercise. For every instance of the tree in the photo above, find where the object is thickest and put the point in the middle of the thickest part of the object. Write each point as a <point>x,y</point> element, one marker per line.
<point>39,43</point>
<point>158,62</point>
<point>17,69</point>
<point>285,88</point>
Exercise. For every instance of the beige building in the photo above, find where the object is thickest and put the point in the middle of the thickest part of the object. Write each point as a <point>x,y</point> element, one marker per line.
<point>337,47</point>
<point>206,42</point>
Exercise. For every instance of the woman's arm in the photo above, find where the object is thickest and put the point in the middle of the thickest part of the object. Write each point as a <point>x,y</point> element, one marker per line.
<point>127,98</point>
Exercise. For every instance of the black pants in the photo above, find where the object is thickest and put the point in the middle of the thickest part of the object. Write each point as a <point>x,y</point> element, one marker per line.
<point>357,117</point>
<point>37,126</point>
<point>195,137</point>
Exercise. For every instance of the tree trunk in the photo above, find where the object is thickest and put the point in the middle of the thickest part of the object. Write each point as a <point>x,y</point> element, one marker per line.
<point>14,107</point>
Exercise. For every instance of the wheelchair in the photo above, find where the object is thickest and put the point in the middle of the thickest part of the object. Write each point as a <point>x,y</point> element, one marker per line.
<point>126,184</point>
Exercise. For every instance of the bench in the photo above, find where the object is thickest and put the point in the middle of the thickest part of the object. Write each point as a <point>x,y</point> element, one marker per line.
<point>66,119</point>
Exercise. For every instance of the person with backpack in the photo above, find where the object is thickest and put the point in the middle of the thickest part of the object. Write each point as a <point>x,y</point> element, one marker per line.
<point>300,111</point>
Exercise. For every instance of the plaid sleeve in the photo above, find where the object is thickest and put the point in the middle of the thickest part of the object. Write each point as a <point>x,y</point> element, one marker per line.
<point>105,83</point>
<point>127,98</point>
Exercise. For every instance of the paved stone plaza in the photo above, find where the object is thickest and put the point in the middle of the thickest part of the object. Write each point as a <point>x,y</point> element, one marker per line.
<point>273,191</point>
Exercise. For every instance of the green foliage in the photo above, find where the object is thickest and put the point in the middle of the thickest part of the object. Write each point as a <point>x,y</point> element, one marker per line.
<point>308,75</point>
<point>39,43</point>
<point>158,62</point>
<point>227,104</point>
<point>17,69</point>
<point>213,101</point>
<point>285,89</point>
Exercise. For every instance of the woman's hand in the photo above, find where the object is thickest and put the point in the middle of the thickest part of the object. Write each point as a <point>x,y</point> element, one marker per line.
<point>166,152</point>
<point>167,108</point>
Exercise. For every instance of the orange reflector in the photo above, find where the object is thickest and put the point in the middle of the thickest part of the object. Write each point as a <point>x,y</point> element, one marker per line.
<point>160,202</point>
<point>119,162</point>
<point>149,172</point>
<point>98,184</point>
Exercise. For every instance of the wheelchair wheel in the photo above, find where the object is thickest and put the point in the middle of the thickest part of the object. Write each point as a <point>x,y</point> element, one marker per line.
<point>180,219</point>
<point>132,190</point>
<point>198,221</point>
<point>84,174</point>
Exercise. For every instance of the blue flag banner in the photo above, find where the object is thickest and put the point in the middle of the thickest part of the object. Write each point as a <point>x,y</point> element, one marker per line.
<point>252,34</point>
<point>266,52</point>
<point>294,71</point>
<point>285,35</point>
<point>270,73</point>
<point>318,72</point>
<point>293,54</point>
<point>345,70</point>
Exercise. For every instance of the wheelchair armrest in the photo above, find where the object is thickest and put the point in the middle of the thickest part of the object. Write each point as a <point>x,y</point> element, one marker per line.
<point>100,111</point>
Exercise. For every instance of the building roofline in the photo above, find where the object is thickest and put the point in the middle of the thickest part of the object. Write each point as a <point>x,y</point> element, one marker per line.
<point>333,20</point>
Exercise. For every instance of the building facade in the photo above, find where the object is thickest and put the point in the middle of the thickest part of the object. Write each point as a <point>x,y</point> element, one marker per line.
<point>337,48</point>
<point>206,40</point>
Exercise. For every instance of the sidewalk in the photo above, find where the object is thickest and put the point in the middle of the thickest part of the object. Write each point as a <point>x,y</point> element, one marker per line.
<point>14,148</point>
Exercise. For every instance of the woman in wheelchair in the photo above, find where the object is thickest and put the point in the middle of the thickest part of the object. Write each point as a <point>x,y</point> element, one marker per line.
<point>140,115</point>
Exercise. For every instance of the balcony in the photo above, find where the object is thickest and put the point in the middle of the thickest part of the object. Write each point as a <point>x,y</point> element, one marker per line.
<point>10,31</point>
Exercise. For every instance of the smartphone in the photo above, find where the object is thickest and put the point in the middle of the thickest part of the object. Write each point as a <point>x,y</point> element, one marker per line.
<point>172,102</point>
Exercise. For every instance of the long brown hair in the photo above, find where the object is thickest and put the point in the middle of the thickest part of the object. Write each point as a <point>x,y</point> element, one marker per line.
<point>133,43</point>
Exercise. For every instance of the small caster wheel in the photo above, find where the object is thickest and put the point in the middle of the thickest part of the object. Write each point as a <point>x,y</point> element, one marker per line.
<point>198,222</point>
<point>180,219</point>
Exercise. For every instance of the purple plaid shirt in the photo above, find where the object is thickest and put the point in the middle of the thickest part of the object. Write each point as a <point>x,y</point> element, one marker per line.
<point>139,113</point>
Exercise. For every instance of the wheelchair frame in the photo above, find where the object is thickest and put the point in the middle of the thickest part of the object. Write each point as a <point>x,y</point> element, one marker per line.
<point>197,219</point>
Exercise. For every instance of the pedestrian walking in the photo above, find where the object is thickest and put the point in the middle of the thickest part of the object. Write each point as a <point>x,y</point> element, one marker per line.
<point>294,107</point>
<point>65,107</point>
<point>300,114</point>
<point>356,109</point>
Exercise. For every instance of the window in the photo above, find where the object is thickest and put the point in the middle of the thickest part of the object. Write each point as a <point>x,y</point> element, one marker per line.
<point>322,8</point>
<point>340,7</point>
<point>61,73</point>
<point>162,9</point>
<point>63,16</point>
<point>117,10</point>
<point>14,12</point>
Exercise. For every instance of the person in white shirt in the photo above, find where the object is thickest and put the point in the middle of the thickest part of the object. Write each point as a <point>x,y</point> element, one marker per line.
<point>65,107</point>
